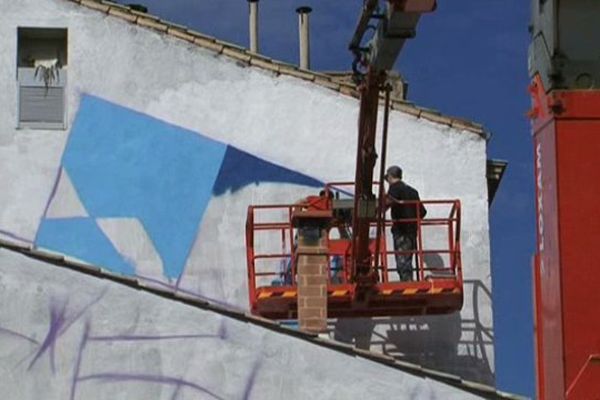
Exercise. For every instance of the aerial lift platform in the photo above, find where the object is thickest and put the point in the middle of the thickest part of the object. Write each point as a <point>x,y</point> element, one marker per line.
<point>437,289</point>
<point>349,234</point>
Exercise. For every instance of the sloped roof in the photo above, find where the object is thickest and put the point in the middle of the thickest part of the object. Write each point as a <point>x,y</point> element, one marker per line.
<point>249,58</point>
<point>173,294</point>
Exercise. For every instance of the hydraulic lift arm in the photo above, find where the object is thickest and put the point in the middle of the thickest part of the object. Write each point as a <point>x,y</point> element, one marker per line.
<point>396,23</point>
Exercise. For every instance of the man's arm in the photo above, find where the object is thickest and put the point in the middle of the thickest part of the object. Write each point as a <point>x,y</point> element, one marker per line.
<point>388,201</point>
<point>422,210</point>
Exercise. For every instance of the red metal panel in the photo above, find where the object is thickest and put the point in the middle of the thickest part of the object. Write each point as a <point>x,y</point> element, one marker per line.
<point>550,321</point>
<point>567,146</point>
<point>586,384</point>
<point>578,141</point>
<point>538,332</point>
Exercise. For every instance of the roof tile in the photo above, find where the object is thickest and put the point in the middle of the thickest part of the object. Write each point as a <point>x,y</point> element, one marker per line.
<point>124,14</point>
<point>143,14</point>
<point>95,5</point>
<point>209,44</point>
<point>436,117</point>
<point>238,55</point>
<point>180,33</point>
<point>201,35</point>
<point>289,69</point>
<point>328,83</point>
<point>152,23</point>
<point>232,46</point>
<point>114,4</point>
<point>264,64</point>
<point>349,90</point>
<point>461,124</point>
<point>406,108</point>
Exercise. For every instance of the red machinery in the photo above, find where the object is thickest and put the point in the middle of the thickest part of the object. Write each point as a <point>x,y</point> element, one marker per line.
<point>357,259</point>
<point>565,69</point>
<point>271,274</point>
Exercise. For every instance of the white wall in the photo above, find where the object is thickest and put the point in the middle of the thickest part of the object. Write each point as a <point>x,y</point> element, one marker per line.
<point>57,343</point>
<point>281,119</point>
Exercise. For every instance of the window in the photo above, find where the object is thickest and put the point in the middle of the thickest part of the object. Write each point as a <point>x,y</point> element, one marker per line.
<point>42,77</point>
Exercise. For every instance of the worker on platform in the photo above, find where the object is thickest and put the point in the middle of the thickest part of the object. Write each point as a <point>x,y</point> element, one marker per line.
<point>406,208</point>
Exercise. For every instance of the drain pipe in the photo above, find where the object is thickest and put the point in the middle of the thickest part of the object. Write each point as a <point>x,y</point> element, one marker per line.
<point>303,27</point>
<point>253,24</point>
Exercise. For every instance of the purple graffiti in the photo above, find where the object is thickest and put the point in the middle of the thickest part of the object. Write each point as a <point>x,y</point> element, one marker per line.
<point>165,380</point>
<point>9,332</point>
<point>57,320</point>
<point>59,324</point>
<point>251,379</point>
<point>15,237</point>
<point>53,191</point>
<point>222,330</point>
<point>82,344</point>
<point>176,392</point>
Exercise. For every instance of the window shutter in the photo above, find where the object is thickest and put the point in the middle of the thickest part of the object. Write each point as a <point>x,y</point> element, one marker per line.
<point>38,104</point>
<point>41,107</point>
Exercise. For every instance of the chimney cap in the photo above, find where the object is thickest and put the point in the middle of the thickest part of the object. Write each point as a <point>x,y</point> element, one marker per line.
<point>303,10</point>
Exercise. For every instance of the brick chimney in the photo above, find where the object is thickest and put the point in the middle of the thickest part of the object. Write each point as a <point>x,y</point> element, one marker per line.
<point>312,257</point>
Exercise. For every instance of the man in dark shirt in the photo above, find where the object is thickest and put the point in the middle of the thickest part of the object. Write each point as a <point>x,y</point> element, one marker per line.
<point>404,230</point>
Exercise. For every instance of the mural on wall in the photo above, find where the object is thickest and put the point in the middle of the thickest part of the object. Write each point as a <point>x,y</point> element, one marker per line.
<point>142,197</point>
<point>132,190</point>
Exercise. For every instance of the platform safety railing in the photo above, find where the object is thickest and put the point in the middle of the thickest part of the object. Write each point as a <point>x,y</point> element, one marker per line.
<point>272,259</point>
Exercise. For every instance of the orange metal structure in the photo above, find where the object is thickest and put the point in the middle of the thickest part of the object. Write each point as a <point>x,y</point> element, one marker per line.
<point>566,128</point>
<point>271,267</point>
<point>565,70</point>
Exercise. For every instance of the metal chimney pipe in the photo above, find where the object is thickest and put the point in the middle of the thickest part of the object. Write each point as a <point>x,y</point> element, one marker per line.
<point>304,31</point>
<point>253,24</point>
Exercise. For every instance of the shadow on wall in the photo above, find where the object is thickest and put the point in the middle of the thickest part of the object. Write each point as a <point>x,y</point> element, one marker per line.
<point>240,169</point>
<point>447,343</point>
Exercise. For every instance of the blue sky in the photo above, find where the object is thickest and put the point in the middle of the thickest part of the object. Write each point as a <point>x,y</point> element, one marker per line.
<point>469,60</point>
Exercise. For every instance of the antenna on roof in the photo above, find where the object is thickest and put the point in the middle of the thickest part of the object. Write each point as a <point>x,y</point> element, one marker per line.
<point>253,25</point>
<point>304,28</point>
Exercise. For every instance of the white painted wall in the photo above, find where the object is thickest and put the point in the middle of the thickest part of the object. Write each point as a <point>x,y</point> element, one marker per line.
<point>281,119</point>
<point>114,342</point>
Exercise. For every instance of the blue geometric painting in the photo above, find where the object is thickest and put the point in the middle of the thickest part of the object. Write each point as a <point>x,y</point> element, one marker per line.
<point>125,164</point>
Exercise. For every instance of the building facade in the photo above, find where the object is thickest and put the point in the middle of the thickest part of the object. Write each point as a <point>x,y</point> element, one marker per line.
<point>137,145</point>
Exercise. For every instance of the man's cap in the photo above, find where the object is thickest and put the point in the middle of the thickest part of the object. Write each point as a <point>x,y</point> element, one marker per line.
<point>394,171</point>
